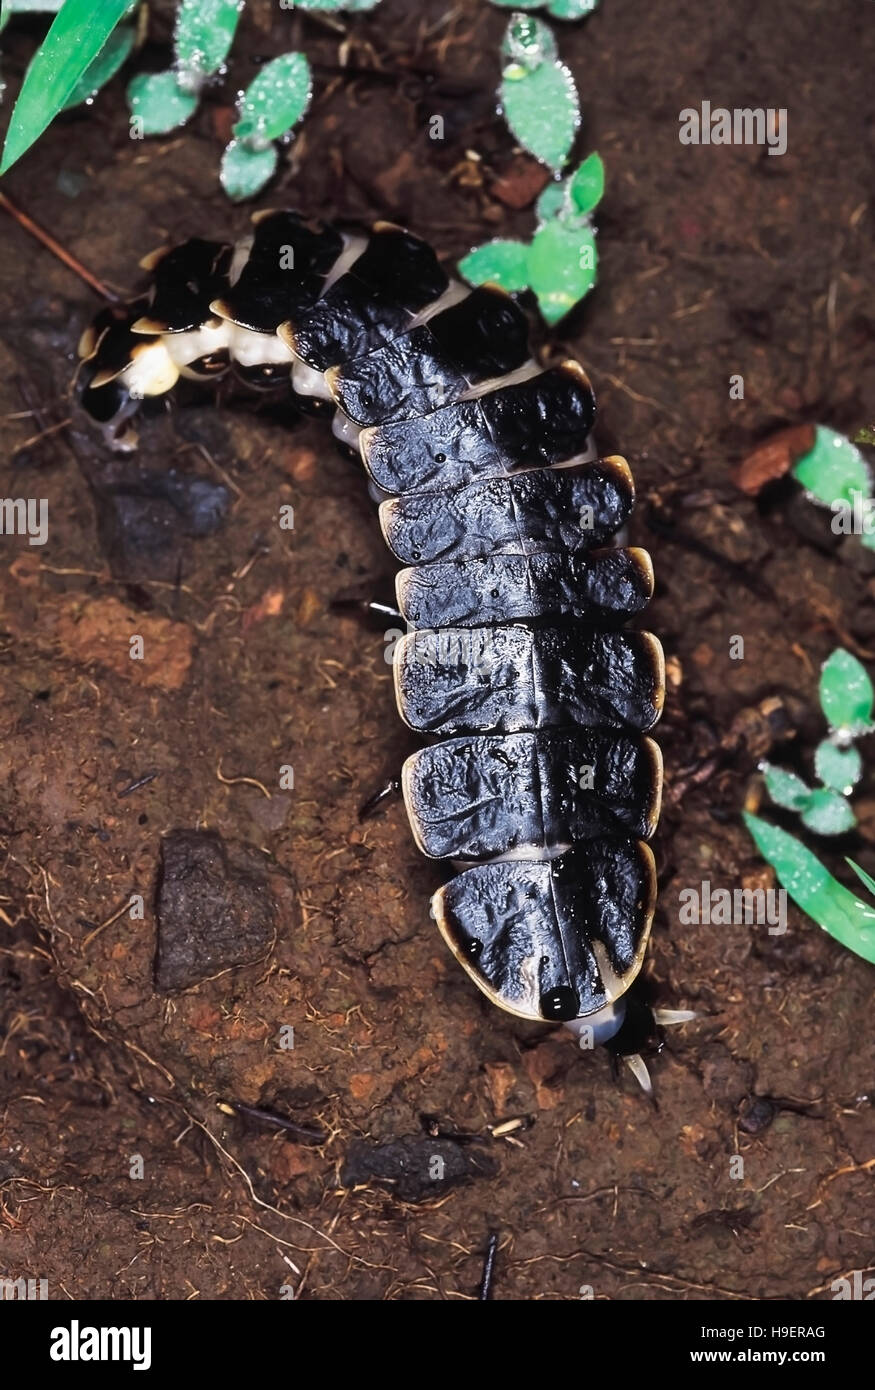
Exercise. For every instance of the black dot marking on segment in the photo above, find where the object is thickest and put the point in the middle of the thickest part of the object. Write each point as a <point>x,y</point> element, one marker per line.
<point>560,1004</point>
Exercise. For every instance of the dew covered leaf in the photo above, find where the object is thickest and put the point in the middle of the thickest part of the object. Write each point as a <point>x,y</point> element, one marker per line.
<point>275,101</point>
<point>846,694</point>
<point>538,96</point>
<point>329,5</point>
<point>828,813</point>
<point>833,468</point>
<point>562,265</point>
<point>839,768</point>
<point>571,9</point>
<point>77,35</point>
<point>157,100</point>
<point>553,202</point>
<point>8,8</point>
<point>559,9</point>
<point>245,171</point>
<point>105,65</point>
<point>785,788</point>
<point>202,37</point>
<point>498,262</point>
<point>812,887</point>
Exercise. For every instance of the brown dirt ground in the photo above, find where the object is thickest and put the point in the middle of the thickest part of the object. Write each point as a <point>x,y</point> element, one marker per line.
<point>714,261</point>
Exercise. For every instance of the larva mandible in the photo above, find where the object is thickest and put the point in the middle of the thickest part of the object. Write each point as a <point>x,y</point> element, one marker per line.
<point>539,782</point>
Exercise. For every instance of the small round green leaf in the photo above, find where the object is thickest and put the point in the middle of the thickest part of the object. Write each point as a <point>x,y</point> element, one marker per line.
<point>275,101</point>
<point>562,264</point>
<point>202,38</point>
<point>245,171</point>
<point>541,107</point>
<point>571,9</point>
<point>833,470</point>
<point>497,263</point>
<point>839,768</point>
<point>104,67</point>
<point>553,202</point>
<point>159,103</point>
<point>785,788</point>
<point>846,695</point>
<point>828,813</point>
<point>350,5</point>
<point>588,184</point>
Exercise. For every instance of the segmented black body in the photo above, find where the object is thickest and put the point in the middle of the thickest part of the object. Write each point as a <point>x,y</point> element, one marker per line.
<point>515,662</point>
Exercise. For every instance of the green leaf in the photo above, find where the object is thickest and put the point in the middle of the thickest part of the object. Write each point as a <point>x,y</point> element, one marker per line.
<point>559,9</point>
<point>351,5</point>
<point>785,788</point>
<point>833,470</point>
<point>78,33</point>
<point>540,103</point>
<point>813,888</point>
<point>275,101</point>
<point>571,9</point>
<point>497,263</point>
<point>839,768</point>
<point>864,878</point>
<point>846,695</point>
<point>158,101</point>
<point>202,38</point>
<point>245,171</point>
<point>553,202</point>
<point>866,435</point>
<point>105,65</point>
<point>828,813</point>
<point>588,184</point>
<point>562,264</point>
<point>10,7</point>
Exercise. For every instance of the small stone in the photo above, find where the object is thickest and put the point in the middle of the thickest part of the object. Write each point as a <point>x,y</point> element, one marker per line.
<point>521,184</point>
<point>215,907</point>
<point>757,1113</point>
<point>415,1167</point>
<point>300,464</point>
<point>309,607</point>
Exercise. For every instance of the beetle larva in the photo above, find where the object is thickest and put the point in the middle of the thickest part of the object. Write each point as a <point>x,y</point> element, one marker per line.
<point>539,782</point>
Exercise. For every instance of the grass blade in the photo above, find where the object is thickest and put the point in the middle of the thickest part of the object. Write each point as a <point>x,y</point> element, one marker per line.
<point>812,887</point>
<point>78,33</point>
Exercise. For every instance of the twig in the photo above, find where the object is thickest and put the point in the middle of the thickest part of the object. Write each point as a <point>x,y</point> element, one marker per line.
<point>49,242</point>
<point>108,923</point>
